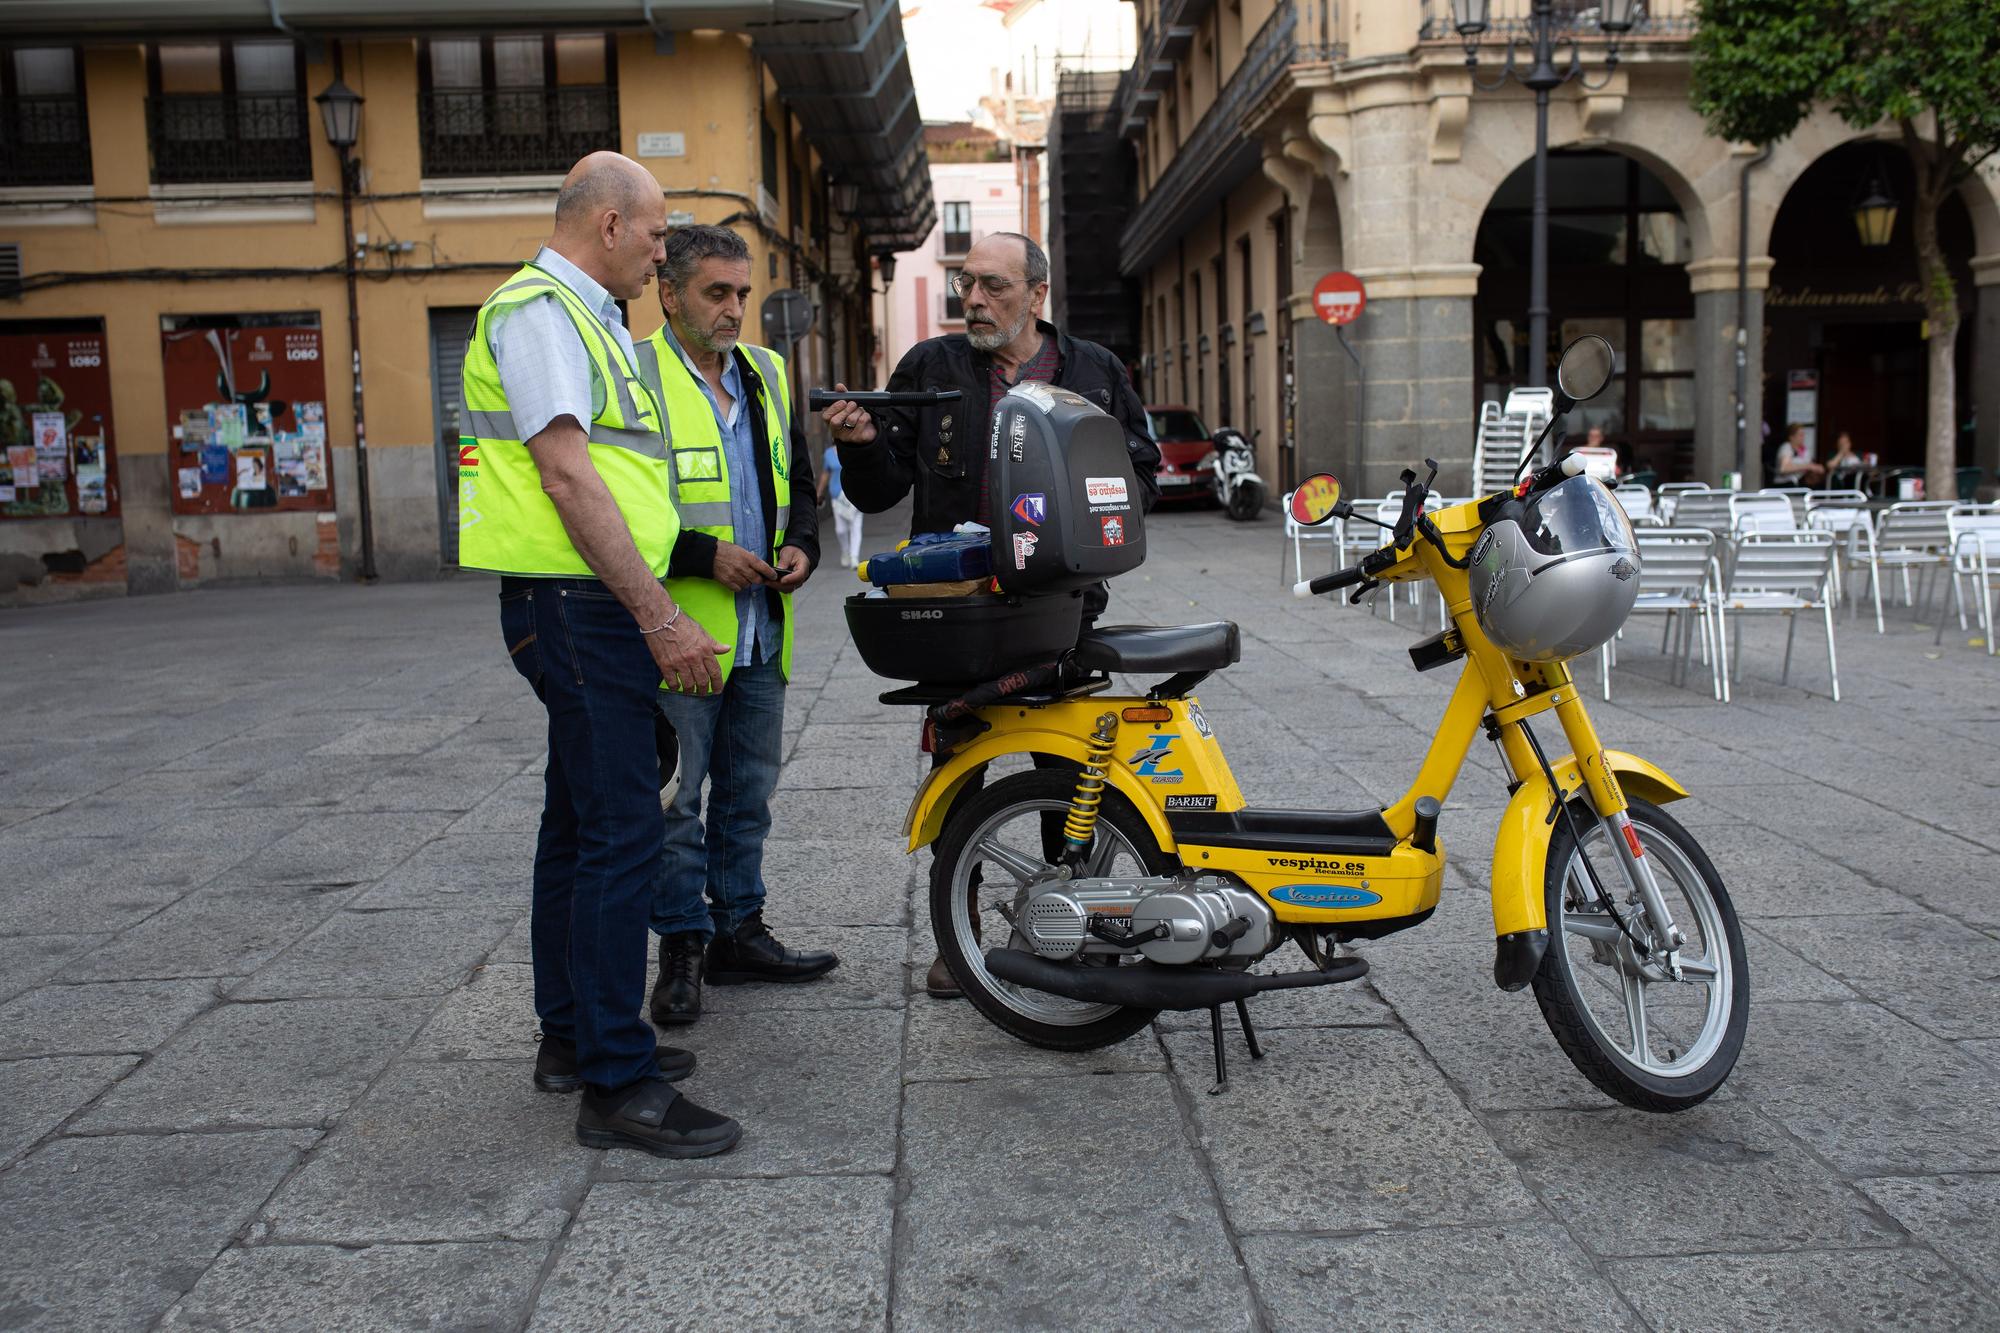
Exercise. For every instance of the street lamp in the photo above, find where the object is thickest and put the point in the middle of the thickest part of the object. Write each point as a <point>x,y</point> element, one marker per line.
<point>843,196</point>
<point>1875,216</point>
<point>340,115</point>
<point>887,263</point>
<point>1469,18</point>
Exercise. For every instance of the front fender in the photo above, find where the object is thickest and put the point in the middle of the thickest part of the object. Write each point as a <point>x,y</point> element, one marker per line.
<point>1521,857</point>
<point>942,787</point>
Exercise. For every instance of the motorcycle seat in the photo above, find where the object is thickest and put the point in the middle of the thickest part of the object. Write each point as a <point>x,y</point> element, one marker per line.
<point>1142,648</point>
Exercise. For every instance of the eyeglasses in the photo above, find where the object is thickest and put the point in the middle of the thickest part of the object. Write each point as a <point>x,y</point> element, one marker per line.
<point>991,284</point>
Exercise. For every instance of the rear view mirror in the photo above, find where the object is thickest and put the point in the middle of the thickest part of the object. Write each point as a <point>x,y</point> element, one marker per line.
<point>1585,368</point>
<point>1316,499</point>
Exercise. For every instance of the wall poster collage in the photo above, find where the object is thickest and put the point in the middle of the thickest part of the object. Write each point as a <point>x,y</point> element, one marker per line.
<point>55,421</point>
<point>246,411</point>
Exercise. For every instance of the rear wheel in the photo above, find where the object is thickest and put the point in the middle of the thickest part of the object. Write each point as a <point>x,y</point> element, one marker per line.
<point>995,850</point>
<point>1643,1036</point>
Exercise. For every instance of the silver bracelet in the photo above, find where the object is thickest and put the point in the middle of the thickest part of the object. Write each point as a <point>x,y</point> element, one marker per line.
<point>671,621</point>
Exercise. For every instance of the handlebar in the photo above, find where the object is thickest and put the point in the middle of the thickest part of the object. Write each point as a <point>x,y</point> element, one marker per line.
<point>817,399</point>
<point>1369,566</point>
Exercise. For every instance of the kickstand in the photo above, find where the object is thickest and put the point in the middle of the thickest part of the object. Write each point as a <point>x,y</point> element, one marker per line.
<point>1215,1035</point>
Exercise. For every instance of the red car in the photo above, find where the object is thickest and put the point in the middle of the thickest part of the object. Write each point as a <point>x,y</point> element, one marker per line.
<point>1184,443</point>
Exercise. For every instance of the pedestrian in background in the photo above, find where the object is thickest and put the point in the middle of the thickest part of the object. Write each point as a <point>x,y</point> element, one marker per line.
<point>846,518</point>
<point>749,538</point>
<point>564,492</point>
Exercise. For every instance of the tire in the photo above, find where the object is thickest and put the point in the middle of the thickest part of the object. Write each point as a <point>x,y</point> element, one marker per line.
<point>1693,1029</point>
<point>1022,813</point>
<point>1247,502</point>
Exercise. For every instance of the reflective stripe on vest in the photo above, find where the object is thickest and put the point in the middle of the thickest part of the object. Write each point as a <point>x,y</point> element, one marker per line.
<point>506,521</point>
<point>700,479</point>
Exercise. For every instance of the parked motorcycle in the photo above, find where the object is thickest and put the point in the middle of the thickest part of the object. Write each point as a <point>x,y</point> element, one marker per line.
<point>1076,900</point>
<point>1233,473</point>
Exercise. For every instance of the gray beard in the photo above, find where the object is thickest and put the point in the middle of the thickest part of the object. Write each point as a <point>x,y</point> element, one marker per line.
<point>999,338</point>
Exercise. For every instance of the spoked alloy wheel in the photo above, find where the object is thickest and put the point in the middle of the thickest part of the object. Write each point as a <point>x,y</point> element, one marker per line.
<point>1641,1035</point>
<point>1008,834</point>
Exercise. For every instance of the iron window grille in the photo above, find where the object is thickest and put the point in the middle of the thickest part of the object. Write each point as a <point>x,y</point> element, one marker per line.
<point>515,131</point>
<point>227,136</point>
<point>44,136</point>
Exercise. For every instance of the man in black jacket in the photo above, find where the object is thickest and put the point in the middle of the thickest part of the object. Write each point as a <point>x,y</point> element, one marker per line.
<point>940,452</point>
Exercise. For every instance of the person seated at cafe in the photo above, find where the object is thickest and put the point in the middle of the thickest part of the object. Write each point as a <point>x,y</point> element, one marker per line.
<point>1795,463</point>
<point>1844,459</point>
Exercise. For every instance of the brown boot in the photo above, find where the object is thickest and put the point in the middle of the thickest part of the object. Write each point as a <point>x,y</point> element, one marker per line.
<point>939,983</point>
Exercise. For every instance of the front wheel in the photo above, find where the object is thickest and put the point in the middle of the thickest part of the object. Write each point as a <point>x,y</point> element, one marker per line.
<point>1246,501</point>
<point>995,852</point>
<point>1642,1035</point>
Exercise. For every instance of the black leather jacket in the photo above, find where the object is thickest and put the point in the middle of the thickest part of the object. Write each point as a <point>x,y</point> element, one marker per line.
<point>940,452</point>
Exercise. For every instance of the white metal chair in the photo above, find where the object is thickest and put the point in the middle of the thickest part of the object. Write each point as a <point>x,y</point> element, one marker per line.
<point>1669,493</point>
<point>1975,555</point>
<point>1761,511</point>
<point>1298,534</point>
<point>1704,508</point>
<point>1636,501</point>
<point>1680,580</point>
<point>1846,515</point>
<point>1782,573</point>
<point>1912,538</point>
<point>1800,497</point>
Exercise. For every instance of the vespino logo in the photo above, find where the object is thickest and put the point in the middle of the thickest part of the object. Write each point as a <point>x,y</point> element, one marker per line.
<point>1325,895</point>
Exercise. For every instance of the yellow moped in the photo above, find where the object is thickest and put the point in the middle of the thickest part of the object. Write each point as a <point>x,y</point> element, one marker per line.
<point>1125,874</point>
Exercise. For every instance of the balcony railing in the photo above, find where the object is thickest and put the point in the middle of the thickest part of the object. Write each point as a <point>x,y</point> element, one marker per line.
<point>515,131</point>
<point>953,243</point>
<point>44,141</point>
<point>1574,18</point>
<point>208,138</point>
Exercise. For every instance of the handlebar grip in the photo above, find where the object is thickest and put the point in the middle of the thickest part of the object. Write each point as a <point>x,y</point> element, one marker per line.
<point>1340,578</point>
<point>817,399</point>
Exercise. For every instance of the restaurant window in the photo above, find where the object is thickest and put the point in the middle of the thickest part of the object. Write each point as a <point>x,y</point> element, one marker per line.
<point>227,111</point>
<point>44,133</point>
<point>515,105</point>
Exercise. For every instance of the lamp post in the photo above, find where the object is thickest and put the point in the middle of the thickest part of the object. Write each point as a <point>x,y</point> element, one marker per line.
<point>1542,76</point>
<point>886,261</point>
<point>340,115</point>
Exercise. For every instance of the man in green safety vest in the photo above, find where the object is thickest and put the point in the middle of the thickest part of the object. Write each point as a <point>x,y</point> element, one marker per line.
<point>749,538</point>
<point>743,489</point>
<point>564,492</point>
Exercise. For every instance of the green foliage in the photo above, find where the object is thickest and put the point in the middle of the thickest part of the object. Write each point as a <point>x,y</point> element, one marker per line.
<point>1761,65</point>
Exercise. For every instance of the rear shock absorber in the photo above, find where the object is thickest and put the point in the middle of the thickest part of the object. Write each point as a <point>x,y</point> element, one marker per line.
<point>1080,825</point>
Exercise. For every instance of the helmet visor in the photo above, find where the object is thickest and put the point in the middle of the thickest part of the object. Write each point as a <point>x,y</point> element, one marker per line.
<point>1577,517</point>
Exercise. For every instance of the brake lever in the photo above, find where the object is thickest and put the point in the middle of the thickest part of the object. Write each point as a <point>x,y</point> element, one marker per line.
<point>1362,589</point>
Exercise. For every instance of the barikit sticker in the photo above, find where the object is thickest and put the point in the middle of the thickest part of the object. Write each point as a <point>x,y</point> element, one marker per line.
<point>1032,508</point>
<point>1112,529</point>
<point>1024,546</point>
<point>1018,433</point>
<point>1190,803</point>
<point>1106,490</point>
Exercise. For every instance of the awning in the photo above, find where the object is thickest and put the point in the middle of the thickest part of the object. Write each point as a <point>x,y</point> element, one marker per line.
<point>141,20</point>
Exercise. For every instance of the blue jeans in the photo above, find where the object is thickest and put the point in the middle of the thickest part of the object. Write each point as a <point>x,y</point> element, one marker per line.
<point>735,740</point>
<point>599,844</point>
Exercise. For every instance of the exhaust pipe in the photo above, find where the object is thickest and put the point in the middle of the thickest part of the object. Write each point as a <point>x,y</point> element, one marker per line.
<point>1151,986</point>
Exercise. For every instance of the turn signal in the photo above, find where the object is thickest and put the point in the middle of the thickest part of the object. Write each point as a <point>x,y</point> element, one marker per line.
<point>1153,714</point>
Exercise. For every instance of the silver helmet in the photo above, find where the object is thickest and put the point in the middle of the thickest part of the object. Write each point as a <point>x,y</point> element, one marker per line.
<point>1556,576</point>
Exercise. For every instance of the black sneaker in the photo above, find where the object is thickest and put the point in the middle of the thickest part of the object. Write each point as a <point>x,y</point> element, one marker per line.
<point>753,953</point>
<point>654,1118</point>
<point>555,1065</point>
<point>677,991</point>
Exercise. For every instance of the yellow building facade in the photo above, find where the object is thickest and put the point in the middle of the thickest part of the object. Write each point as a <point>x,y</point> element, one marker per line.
<point>181,274</point>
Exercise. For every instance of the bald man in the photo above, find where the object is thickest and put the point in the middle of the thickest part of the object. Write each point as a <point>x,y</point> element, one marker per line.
<point>563,491</point>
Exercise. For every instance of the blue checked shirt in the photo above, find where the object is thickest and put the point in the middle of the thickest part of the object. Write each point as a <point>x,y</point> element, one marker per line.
<point>746,499</point>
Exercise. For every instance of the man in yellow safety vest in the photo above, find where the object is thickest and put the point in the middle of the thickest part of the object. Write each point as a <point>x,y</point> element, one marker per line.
<point>749,538</point>
<point>564,492</point>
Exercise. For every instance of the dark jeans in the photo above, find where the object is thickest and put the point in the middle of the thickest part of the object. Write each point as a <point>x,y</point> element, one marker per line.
<point>735,740</point>
<point>599,845</point>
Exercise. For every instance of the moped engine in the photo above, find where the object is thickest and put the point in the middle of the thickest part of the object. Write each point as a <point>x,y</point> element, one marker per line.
<point>1165,918</point>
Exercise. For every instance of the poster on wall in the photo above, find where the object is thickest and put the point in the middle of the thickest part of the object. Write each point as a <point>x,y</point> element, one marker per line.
<point>55,420</point>
<point>246,395</point>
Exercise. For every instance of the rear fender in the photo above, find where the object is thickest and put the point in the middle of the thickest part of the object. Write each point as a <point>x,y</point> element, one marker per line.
<point>1521,856</point>
<point>940,791</point>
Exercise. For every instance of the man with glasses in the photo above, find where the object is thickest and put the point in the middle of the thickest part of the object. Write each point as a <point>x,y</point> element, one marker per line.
<point>940,452</point>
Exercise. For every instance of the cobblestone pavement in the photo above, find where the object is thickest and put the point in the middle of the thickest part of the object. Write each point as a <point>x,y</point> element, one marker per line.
<point>265,1026</point>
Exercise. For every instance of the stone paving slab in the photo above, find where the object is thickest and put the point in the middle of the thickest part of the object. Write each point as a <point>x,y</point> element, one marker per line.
<point>305,903</point>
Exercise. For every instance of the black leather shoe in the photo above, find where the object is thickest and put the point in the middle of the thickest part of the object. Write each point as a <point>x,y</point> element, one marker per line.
<point>754,954</point>
<point>653,1117</point>
<point>555,1065</point>
<point>677,992</point>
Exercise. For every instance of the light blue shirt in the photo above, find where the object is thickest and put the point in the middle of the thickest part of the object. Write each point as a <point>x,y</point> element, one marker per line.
<point>746,498</point>
<point>545,370</point>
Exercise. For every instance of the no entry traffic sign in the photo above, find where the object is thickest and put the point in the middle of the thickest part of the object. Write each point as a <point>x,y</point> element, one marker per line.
<point>1338,298</point>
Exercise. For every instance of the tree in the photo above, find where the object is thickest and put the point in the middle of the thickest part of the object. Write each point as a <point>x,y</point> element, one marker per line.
<point>1930,68</point>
